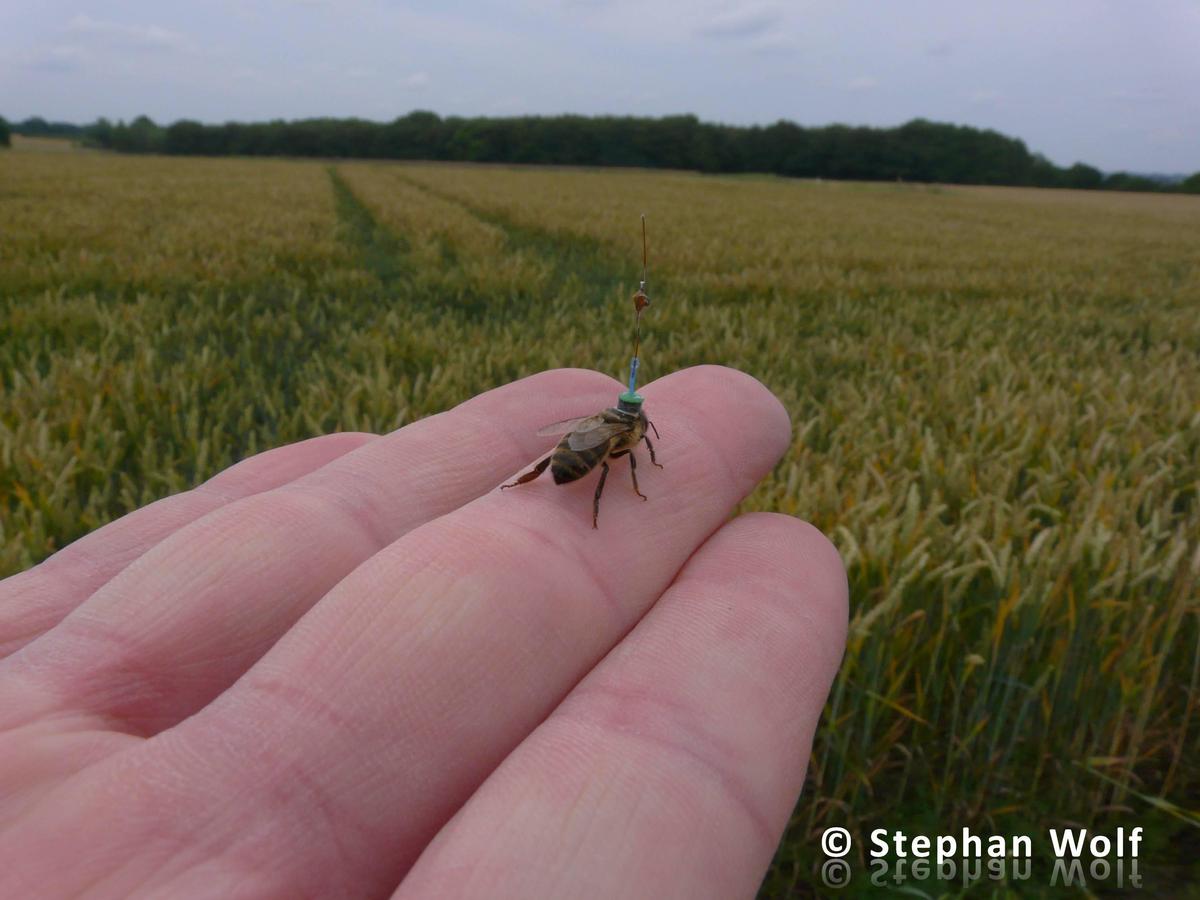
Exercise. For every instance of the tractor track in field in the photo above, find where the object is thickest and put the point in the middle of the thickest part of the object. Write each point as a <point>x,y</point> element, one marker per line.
<point>600,274</point>
<point>380,250</point>
<point>595,273</point>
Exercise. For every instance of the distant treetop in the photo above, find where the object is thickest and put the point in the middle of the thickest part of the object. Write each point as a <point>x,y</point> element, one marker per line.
<point>919,150</point>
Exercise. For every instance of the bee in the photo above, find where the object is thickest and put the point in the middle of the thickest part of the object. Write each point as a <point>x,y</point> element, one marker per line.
<point>592,441</point>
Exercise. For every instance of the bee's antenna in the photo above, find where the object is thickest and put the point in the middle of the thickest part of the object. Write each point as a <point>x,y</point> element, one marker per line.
<point>640,302</point>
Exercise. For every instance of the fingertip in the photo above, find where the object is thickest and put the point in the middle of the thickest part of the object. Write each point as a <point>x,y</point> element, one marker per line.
<point>792,556</point>
<point>811,558</point>
<point>746,388</point>
<point>750,408</point>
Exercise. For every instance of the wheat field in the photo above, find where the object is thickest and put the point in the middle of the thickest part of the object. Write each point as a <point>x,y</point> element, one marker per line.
<point>995,396</point>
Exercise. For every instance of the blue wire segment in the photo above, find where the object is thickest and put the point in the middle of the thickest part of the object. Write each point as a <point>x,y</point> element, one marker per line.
<point>633,367</point>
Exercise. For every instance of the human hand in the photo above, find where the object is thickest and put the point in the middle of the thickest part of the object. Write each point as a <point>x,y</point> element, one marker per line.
<point>350,666</point>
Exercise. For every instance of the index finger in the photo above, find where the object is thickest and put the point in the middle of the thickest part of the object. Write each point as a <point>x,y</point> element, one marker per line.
<point>180,624</point>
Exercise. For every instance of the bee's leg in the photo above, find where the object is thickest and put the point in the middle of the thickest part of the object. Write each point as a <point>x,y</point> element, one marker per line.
<point>632,470</point>
<point>599,489</point>
<point>531,474</point>
<point>651,446</point>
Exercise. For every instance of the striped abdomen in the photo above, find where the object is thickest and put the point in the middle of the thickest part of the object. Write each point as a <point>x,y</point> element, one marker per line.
<point>571,465</point>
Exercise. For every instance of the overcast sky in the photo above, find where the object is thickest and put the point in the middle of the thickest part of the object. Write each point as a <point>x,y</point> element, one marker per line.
<point>1115,84</point>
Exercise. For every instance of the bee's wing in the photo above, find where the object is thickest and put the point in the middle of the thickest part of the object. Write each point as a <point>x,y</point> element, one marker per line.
<point>564,426</point>
<point>586,435</point>
<point>585,432</point>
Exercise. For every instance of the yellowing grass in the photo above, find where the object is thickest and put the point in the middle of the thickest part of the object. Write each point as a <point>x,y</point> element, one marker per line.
<point>92,221</point>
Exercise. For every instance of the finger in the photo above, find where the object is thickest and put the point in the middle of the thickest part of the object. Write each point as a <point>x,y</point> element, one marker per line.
<point>677,761</point>
<point>183,622</point>
<point>380,712</point>
<point>42,754</point>
<point>34,601</point>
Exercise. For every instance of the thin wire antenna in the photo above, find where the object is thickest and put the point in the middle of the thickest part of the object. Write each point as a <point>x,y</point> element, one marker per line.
<point>644,255</point>
<point>640,302</point>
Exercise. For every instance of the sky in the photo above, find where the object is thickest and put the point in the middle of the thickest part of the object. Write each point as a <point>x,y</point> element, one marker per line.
<point>1114,83</point>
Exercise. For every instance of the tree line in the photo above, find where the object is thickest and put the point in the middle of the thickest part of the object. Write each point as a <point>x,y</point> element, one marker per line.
<point>919,150</point>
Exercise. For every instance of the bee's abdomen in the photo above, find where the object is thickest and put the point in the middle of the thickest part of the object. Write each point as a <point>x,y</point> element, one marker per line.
<point>571,465</point>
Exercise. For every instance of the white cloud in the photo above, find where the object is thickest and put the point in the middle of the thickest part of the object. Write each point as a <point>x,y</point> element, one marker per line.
<point>750,21</point>
<point>862,83</point>
<point>1137,96</point>
<point>416,79</point>
<point>1170,135</point>
<point>774,42</point>
<point>142,37</point>
<point>63,58</point>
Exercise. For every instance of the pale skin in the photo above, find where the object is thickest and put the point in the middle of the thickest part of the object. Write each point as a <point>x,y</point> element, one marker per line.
<point>352,667</point>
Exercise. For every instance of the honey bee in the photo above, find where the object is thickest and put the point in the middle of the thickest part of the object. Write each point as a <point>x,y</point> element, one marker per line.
<point>593,440</point>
